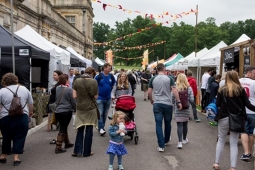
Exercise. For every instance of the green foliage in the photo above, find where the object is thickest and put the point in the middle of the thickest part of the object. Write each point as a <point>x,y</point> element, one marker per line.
<point>180,38</point>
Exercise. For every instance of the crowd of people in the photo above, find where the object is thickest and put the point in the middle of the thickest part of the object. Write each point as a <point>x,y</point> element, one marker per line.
<point>88,95</point>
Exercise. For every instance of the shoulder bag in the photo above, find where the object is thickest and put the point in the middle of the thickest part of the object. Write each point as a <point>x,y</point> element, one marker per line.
<point>53,107</point>
<point>236,121</point>
<point>93,100</point>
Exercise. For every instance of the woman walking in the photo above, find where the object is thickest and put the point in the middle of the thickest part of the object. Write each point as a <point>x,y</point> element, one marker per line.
<point>231,98</point>
<point>182,116</point>
<point>85,91</point>
<point>122,87</point>
<point>14,128</point>
<point>65,106</point>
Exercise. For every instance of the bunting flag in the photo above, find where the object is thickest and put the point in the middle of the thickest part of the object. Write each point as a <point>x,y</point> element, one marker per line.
<point>151,16</point>
<point>139,47</point>
<point>134,58</point>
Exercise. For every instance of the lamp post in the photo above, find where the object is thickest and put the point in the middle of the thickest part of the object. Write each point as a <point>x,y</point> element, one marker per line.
<point>13,54</point>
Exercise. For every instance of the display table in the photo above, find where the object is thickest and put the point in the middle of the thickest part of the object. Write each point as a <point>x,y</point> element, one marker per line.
<point>40,102</point>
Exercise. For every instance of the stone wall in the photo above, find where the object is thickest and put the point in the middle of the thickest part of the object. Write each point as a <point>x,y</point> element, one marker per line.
<point>44,19</point>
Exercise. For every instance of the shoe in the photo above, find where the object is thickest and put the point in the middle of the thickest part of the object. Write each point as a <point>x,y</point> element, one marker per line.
<point>60,140</point>
<point>68,144</point>
<point>148,98</point>
<point>3,160</point>
<point>168,143</point>
<point>190,118</point>
<point>121,167</point>
<point>102,132</point>
<point>110,167</point>
<point>76,155</point>
<point>144,99</point>
<point>245,157</point>
<point>16,163</point>
<point>91,153</point>
<point>185,141</point>
<point>216,166</point>
<point>197,120</point>
<point>160,149</point>
<point>53,142</point>
<point>179,146</point>
<point>110,117</point>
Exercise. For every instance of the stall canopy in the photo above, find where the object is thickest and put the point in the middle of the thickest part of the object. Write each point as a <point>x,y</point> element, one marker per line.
<point>173,60</point>
<point>83,59</point>
<point>242,38</point>
<point>194,62</point>
<point>59,58</point>
<point>26,56</point>
<point>74,61</point>
<point>99,61</point>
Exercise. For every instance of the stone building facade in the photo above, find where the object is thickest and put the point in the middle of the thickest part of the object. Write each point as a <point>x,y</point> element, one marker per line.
<point>63,22</point>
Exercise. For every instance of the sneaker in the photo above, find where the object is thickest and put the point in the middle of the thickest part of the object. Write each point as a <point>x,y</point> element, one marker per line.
<point>121,167</point>
<point>110,117</point>
<point>160,149</point>
<point>185,141</point>
<point>197,120</point>
<point>168,143</point>
<point>102,132</point>
<point>179,146</point>
<point>245,157</point>
<point>110,167</point>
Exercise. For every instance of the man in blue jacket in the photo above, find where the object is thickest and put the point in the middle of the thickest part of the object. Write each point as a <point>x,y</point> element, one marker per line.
<point>105,82</point>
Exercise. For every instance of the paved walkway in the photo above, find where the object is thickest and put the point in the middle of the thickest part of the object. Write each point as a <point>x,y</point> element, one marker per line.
<point>198,154</point>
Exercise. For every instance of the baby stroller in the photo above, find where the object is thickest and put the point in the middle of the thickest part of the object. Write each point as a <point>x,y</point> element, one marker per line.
<point>126,104</point>
<point>211,112</point>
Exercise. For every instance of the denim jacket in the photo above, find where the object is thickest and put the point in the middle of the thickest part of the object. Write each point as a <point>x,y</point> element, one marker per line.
<point>113,134</point>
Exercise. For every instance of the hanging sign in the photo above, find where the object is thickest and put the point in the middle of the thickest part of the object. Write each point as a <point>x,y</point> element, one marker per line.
<point>229,55</point>
<point>24,52</point>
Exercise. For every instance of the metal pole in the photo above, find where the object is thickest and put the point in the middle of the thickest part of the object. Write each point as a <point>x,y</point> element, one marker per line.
<point>13,54</point>
<point>196,32</point>
<point>164,50</point>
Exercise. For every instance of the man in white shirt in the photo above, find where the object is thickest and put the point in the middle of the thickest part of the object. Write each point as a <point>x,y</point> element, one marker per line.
<point>204,85</point>
<point>71,77</point>
<point>247,138</point>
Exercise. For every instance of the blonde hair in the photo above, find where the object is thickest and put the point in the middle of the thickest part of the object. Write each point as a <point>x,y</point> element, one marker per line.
<point>232,85</point>
<point>126,84</point>
<point>182,82</point>
<point>115,116</point>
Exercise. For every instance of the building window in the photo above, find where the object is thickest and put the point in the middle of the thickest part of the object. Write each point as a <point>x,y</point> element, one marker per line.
<point>71,20</point>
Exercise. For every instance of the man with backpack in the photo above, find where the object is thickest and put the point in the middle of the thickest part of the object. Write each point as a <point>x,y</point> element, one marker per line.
<point>105,82</point>
<point>193,84</point>
<point>162,86</point>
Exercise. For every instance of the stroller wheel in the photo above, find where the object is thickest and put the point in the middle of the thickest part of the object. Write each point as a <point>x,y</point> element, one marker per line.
<point>136,139</point>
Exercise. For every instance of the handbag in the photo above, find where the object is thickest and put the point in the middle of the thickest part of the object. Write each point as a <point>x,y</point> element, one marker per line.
<point>236,121</point>
<point>93,100</point>
<point>53,107</point>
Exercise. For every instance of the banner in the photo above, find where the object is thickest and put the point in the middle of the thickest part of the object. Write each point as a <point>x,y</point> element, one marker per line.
<point>109,57</point>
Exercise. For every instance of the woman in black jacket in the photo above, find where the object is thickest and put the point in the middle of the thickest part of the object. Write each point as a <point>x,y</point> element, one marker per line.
<point>231,98</point>
<point>132,81</point>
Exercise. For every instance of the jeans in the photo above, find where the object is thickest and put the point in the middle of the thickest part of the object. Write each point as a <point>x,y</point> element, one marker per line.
<point>194,108</point>
<point>14,129</point>
<point>83,145</point>
<point>64,120</point>
<point>103,106</point>
<point>223,128</point>
<point>163,111</point>
<point>203,101</point>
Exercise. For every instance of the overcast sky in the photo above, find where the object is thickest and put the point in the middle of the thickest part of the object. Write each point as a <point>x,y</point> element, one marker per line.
<point>221,10</point>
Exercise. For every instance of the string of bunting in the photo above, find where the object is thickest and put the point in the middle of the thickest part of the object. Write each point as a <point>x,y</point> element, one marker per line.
<point>139,47</point>
<point>151,16</point>
<point>133,58</point>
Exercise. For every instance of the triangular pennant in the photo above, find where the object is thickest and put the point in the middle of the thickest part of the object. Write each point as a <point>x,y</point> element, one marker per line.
<point>104,6</point>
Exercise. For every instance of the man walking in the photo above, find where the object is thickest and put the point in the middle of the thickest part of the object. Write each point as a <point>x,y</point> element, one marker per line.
<point>162,85</point>
<point>204,85</point>
<point>105,82</point>
<point>193,84</point>
<point>71,77</point>
<point>247,138</point>
<point>146,78</point>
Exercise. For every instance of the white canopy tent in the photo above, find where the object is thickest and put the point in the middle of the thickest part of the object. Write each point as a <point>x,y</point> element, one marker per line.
<point>242,38</point>
<point>59,58</point>
<point>87,61</point>
<point>99,61</point>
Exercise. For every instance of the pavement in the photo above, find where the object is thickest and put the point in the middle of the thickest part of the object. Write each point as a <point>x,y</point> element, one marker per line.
<point>198,154</point>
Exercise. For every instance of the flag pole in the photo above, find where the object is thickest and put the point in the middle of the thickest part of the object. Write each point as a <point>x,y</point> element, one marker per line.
<point>196,32</point>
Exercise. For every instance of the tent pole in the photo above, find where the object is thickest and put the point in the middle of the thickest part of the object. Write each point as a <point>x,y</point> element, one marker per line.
<point>13,54</point>
<point>196,32</point>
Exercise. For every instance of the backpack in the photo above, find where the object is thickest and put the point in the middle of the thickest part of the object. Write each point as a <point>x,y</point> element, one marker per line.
<point>100,76</point>
<point>184,98</point>
<point>16,108</point>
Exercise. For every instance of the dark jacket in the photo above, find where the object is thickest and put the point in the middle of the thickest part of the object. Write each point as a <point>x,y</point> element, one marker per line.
<point>210,81</point>
<point>131,80</point>
<point>214,90</point>
<point>53,94</point>
<point>234,104</point>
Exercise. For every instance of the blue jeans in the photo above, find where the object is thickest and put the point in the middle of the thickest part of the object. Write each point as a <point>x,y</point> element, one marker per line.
<point>103,106</point>
<point>163,111</point>
<point>83,145</point>
<point>194,108</point>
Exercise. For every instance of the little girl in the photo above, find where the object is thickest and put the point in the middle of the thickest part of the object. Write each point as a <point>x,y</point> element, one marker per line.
<point>116,146</point>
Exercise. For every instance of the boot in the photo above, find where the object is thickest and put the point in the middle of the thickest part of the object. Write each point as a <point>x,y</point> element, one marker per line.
<point>59,142</point>
<point>68,144</point>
